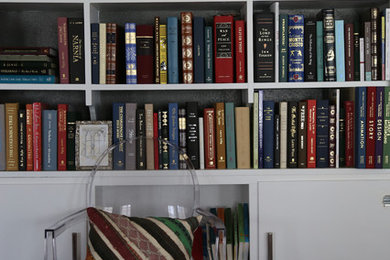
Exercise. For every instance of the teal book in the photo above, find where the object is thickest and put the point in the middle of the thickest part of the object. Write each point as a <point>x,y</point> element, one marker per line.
<point>320,52</point>
<point>49,140</point>
<point>340,55</point>
<point>208,49</point>
<point>283,47</point>
<point>230,136</point>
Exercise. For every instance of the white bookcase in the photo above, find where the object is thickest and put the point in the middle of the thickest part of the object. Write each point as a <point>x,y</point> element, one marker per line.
<point>312,213</point>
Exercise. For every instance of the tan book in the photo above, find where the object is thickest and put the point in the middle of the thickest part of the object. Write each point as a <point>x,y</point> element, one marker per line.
<point>243,138</point>
<point>11,136</point>
<point>102,53</point>
<point>149,136</point>
<point>220,135</point>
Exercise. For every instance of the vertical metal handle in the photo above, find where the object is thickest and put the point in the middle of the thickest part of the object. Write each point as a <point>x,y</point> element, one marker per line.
<point>270,246</point>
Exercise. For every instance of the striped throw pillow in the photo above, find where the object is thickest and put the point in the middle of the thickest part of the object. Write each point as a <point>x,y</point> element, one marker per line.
<point>115,236</point>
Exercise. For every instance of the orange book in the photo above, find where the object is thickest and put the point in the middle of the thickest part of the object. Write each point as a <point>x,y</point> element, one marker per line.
<point>220,135</point>
<point>62,110</point>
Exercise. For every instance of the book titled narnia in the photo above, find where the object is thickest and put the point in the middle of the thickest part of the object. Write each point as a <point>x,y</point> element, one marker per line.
<point>76,50</point>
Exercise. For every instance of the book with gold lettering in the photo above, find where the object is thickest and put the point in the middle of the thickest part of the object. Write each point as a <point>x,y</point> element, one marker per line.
<point>11,136</point>
<point>76,50</point>
<point>296,48</point>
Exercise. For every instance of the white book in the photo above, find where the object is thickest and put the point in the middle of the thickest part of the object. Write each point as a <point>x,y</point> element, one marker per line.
<point>283,134</point>
<point>102,52</point>
<point>387,43</point>
<point>201,143</point>
<point>361,54</point>
<point>255,130</point>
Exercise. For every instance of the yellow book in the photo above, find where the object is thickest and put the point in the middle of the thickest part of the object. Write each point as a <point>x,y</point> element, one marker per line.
<point>163,55</point>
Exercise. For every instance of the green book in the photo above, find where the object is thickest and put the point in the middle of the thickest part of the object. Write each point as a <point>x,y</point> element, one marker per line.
<point>386,130</point>
<point>283,47</point>
<point>230,136</point>
<point>320,52</point>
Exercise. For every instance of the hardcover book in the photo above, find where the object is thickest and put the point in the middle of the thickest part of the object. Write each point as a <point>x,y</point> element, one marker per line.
<point>131,53</point>
<point>209,138</point>
<point>243,137</point>
<point>22,139</point>
<point>356,51</point>
<point>37,135</point>
<point>302,134</point>
<point>209,61</point>
<point>386,130</point>
<point>2,138</point>
<point>115,62</point>
<point>380,96</point>
<point>283,47</point>
<point>144,43</point>
<point>277,139</point>
<point>156,142</point>
<point>182,138</point>
<point>322,134</point>
<point>62,110</point>
<point>332,136</point>
<point>70,141</point>
<point>360,127</point>
<point>264,52</point>
<point>342,138</point>
<point>173,50</point>
<point>375,75</point>
<point>102,52</point>
<point>173,125</point>
<point>349,133</point>
<point>94,53</point>
<point>11,136</point>
<point>76,50</point>
<point>240,60</point>
<point>157,49</point>
<point>296,48</point>
<point>165,137</point>
<point>163,54</point>
<point>141,144</point>
<point>349,52</point>
<point>329,44</point>
<point>192,128</point>
<point>29,137</point>
<point>199,50</point>
<point>187,47</point>
<point>255,130</point>
<point>260,130</point>
<point>223,48</point>
<point>130,128</point>
<point>292,135</point>
<point>367,51</point>
<point>340,47</point>
<point>149,136</point>
<point>283,108</point>
<point>310,65</point>
<point>220,135</point>
<point>370,127</point>
<point>269,123</point>
<point>230,136</point>
<point>63,49</point>
<point>311,133</point>
<point>119,130</point>
<point>49,140</point>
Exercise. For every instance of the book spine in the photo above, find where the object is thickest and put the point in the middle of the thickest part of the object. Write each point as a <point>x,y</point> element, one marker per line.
<point>157,49</point>
<point>173,125</point>
<point>367,51</point>
<point>332,136</point>
<point>379,127</point>
<point>296,48</point>
<point>102,52</point>
<point>163,54</point>
<point>382,46</point>
<point>329,44</point>
<point>361,59</point>
<point>63,51</point>
<point>349,53</point>
<point>27,71</point>
<point>209,138</point>
<point>223,48</point>
<point>149,136</point>
<point>311,133</point>
<point>70,141</point>
<point>310,38</point>
<point>182,138</point>
<point>193,129</point>
<point>62,110</point>
<point>374,44</point>
<point>302,136</point>
<point>130,128</point>
<point>356,51</point>
<point>144,43</point>
<point>349,132</point>
<point>201,144</point>
<point>277,141</point>
<point>173,50</point>
<point>209,64</point>
<point>269,123</point>
<point>109,44</point>
<point>141,146</point>
<point>131,53</point>
<point>76,50</point>
<point>370,127</point>
<point>186,45</point>
<point>220,135</point>
<point>112,55</point>
<point>255,131</point>
<point>387,43</point>
<point>160,143</point>
<point>243,137</point>
<point>260,130</point>
<point>199,66</point>
<point>230,136</point>
<point>47,51</point>
<point>3,149</point>
<point>22,139</point>
<point>322,138</point>
<point>340,55</point>
<point>386,130</point>
<point>264,36</point>
<point>165,137</point>
<point>320,51</point>
<point>283,47</point>
<point>342,138</point>
<point>28,79</point>
<point>29,137</point>
<point>118,118</point>
<point>49,140</point>
<point>37,136</point>
<point>27,64</point>
<point>283,107</point>
<point>239,28</point>
<point>94,53</point>
<point>360,127</point>
<point>292,135</point>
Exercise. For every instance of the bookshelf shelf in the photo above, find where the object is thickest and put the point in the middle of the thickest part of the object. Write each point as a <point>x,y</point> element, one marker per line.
<point>162,87</point>
<point>321,85</point>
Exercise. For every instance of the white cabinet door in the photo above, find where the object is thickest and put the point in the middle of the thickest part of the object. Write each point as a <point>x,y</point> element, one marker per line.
<point>322,220</point>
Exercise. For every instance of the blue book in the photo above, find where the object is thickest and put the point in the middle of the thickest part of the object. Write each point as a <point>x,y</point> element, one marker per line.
<point>199,70</point>
<point>360,127</point>
<point>49,140</point>
<point>209,69</point>
<point>173,122</point>
<point>295,48</point>
<point>28,79</point>
<point>269,123</point>
<point>246,225</point>
<point>322,134</point>
<point>95,52</point>
<point>320,51</point>
<point>340,55</point>
<point>260,129</point>
<point>173,50</point>
<point>131,53</point>
<point>380,99</point>
<point>118,134</point>
<point>230,136</point>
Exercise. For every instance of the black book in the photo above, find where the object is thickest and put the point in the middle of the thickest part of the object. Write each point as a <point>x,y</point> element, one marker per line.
<point>70,141</point>
<point>165,137</point>
<point>342,138</point>
<point>356,50</point>
<point>193,133</point>
<point>76,50</point>
<point>302,135</point>
<point>310,50</point>
<point>141,143</point>
<point>182,138</point>
<point>277,140</point>
<point>292,135</point>
<point>322,134</point>
<point>329,45</point>
<point>22,140</point>
<point>264,56</point>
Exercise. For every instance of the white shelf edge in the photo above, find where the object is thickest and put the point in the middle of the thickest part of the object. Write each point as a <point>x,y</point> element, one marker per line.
<point>163,1</point>
<point>55,87</point>
<point>332,84</point>
<point>184,87</point>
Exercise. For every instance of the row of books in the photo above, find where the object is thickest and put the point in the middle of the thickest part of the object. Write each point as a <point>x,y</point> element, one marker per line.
<point>323,48</point>
<point>187,51</point>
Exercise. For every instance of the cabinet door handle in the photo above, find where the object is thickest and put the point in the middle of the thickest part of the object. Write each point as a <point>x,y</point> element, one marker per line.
<point>270,246</point>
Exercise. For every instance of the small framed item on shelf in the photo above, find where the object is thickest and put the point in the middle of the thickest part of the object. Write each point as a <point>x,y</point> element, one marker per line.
<point>92,139</point>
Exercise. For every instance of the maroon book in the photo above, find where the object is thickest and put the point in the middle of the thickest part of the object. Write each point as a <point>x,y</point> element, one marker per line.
<point>63,62</point>
<point>240,51</point>
<point>349,53</point>
<point>145,54</point>
<point>371,127</point>
<point>223,48</point>
<point>349,128</point>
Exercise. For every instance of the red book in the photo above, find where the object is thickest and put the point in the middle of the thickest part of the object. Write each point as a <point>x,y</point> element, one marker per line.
<point>311,133</point>
<point>349,52</point>
<point>240,51</point>
<point>209,138</point>
<point>63,49</point>
<point>197,245</point>
<point>37,135</point>
<point>113,58</point>
<point>62,110</point>
<point>371,127</point>
<point>145,54</point>
<point>108,53</point>
<point>186,45</point>
<point>349,128</point>
<point>29,137</point>
<point>223,48</point>
<point>155,138</point>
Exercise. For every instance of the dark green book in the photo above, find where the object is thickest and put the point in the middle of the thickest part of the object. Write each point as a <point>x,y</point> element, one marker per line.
<point>283,47</point>
<point>230,137</point>
<point>320,51</point>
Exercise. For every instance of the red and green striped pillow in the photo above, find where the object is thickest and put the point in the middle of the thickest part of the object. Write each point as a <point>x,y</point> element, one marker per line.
<point>115,236</point>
